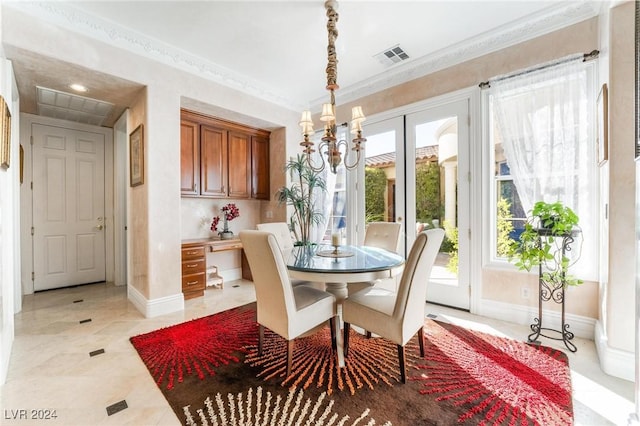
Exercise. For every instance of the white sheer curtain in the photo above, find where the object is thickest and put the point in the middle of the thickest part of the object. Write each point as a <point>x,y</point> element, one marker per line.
<point>545,121</point>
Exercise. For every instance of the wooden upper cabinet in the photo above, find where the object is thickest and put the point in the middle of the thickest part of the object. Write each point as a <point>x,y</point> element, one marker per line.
<point>189,157</point>
<point>213,167</point>
<point>239,165</point>
<point>220,159</point>
<point>260,185</point>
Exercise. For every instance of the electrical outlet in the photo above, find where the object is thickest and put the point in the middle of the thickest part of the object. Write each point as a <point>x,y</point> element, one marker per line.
<point>269,214</point>
<point>524,292</point>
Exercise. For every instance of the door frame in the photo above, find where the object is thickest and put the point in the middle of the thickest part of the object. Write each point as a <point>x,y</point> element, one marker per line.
<point>473,96</point>
<point>26,211</point>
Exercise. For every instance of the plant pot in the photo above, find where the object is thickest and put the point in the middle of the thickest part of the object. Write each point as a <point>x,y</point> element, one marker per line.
<point>226,235</point>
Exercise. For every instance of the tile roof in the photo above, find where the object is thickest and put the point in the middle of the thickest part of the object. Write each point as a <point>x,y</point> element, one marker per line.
<point>422,153</point>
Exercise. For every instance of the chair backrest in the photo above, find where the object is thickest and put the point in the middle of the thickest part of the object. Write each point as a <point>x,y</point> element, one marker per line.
<point>274,295</point>
<point>412,290</point>
<point>384,235</point>
<point>281,232</point>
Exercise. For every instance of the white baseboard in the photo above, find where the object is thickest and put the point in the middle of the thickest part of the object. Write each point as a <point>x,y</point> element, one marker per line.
<point>155,307</point>
<point>614,362</point>
<point>580,326</point>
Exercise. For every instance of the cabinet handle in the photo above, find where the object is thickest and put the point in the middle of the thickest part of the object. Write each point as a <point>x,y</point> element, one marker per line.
<point>192,252</point>
<point>193,265</point>
<point>192,282</point>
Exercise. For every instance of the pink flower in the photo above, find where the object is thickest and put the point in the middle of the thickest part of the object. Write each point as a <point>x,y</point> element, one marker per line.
<point>229,212</point>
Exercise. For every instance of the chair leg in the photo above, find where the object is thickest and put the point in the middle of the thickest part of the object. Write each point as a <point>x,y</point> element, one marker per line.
<point>290,346</point>
<point>332,325</point>
<point>368,334</point>
<point>260,338</point>
<point>421,341</point>
<point>403,372</point>
<point>345,348</point>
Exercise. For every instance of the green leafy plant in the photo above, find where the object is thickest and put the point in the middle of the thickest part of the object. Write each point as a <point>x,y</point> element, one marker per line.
<point>504,228</point>
<point>301,194</point>
<point>541,243</point>
<point>451,235</point>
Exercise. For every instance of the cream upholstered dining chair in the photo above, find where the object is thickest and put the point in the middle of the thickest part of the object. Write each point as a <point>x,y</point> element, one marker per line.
<point>283,236</point>
<point>385,235</point>
<point>397,316</point>
<point>281,231</point>
<point>286,310</point>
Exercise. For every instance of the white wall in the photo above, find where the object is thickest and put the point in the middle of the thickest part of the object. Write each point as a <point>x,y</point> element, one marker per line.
<point>10,295</point>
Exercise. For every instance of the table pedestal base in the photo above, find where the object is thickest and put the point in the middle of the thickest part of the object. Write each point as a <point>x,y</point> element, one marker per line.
<point>339,290</point>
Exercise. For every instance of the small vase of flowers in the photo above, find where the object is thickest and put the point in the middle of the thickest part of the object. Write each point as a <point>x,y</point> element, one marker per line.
<point>229,212</point>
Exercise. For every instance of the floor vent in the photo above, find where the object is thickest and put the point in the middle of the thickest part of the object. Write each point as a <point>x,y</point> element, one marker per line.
<point>392,55</point>
<point>96,352</point>
<point>118,406</point>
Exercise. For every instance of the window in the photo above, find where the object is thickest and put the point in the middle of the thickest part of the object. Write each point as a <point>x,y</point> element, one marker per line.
<point>541,134</point>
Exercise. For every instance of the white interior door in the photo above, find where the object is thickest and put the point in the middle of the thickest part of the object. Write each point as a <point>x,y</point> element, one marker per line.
<point>68,207</point>
<point>439,138</point>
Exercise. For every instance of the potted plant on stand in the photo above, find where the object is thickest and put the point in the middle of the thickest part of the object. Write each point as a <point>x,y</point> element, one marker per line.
<point>301,194</point>
<point>546,242</point>
<point>541,242</point>
<point>229,212</point>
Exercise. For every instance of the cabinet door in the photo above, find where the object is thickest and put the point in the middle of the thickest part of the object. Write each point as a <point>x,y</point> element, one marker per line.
<point>213,164</point>
<point>239,165</point>
<point>189,157</point>
<point>260,188</point>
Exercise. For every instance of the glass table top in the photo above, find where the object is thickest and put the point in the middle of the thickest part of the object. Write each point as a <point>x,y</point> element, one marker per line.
<point>351,259</point>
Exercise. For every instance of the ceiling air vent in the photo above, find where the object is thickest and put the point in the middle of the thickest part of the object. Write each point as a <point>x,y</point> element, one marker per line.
<point>392,55</point>
<point>67,106</point>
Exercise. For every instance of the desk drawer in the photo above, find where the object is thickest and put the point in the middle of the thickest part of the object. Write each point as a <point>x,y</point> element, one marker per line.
<point>193,266</point>
<point>192,253</point>
<point>194,282</point>
<point>193,285</point>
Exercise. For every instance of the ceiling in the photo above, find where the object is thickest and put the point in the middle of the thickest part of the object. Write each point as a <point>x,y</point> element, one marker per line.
<point>277,50</point>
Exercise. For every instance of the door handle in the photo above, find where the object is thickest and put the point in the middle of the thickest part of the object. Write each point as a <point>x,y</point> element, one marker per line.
<point>100,227</point>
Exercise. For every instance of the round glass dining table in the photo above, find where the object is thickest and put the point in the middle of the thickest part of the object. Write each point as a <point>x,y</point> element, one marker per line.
<point>347,264</point>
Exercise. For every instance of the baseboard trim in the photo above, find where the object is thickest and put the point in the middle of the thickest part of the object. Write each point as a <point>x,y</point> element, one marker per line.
<point>580,326</point>
<point>155,307</point>
<point>614,362</point>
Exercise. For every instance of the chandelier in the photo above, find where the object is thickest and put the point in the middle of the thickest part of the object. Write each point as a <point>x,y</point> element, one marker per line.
<point>330,146</point>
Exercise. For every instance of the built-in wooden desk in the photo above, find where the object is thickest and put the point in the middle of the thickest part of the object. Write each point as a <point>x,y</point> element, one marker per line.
<point>194,263</point>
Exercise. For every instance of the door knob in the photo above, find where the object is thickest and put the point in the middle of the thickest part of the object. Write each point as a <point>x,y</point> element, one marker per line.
<point>100,227</point>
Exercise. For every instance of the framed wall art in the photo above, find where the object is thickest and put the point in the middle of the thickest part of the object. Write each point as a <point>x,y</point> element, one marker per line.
<point>136,156</point>
<point>5,134</point>
<point>602,136</point>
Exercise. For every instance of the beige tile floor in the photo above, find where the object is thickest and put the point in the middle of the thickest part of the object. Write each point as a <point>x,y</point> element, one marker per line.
<point>51,369</point>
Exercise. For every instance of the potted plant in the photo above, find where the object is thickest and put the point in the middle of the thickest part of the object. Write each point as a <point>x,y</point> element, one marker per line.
<point>305,183</point>
<point>229,212</point>
<point>543,242</point>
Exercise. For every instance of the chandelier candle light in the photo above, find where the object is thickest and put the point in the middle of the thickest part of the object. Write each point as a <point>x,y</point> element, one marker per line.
<point>330,146</point>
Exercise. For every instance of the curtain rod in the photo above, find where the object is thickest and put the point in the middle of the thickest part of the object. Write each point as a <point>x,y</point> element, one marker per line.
<point>585,57</point>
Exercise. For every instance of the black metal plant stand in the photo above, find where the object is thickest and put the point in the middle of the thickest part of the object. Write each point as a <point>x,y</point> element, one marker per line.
<point>553,290</point>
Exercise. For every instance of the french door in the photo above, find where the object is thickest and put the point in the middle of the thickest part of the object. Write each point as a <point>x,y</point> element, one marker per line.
<point>417,173</point>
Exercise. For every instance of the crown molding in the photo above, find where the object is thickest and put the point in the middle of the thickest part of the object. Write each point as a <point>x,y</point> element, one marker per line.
<point>566,14</point>
<point>73,19</point>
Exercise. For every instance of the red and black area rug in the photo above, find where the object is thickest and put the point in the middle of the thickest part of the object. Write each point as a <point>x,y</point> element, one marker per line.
<point>211,374</point>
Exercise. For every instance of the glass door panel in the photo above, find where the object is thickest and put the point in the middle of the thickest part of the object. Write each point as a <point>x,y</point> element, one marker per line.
<point>382,195</point>
<point>438,195</point>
